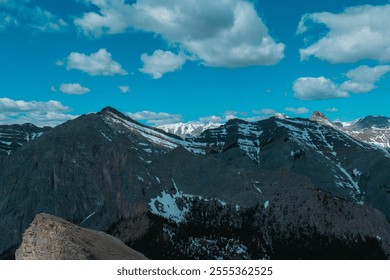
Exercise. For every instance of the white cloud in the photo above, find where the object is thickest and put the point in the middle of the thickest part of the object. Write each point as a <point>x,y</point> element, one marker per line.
<point>298,111</point>
<point>19,13</point>
<point>309,88</point>
<point>96,64</point>
<point>161,62</point>
<point>363,78</point>
<point>360,32</point>
<point>124,89</point>
<point>50,113</point>
<point>226,33</point>
<point>213,119</point>
<point>44,118</point>
<point>156,119</point>
<point>225,116</point>
<point>6,20</point>
<point>256,118</point>
<point>333,110</point>
<point>265,112</point>
<point>230,114</point>
<point>76,89</point>
<point>53,89</point>
<point>60,63</point>
<point>9,105</point>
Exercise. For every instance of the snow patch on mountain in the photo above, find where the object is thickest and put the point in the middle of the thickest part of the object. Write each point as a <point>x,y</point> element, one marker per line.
<point>175,206</point>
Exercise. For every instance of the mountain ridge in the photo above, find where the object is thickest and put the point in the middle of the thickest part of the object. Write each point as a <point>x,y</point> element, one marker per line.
<point>151,189</point>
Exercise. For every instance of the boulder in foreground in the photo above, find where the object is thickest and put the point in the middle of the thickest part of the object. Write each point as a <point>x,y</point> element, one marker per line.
<point>52,238</point>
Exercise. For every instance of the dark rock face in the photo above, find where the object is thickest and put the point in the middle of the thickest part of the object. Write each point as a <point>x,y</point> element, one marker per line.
<point>14,136</point>
<point>243,190</point>
<point>51,238</point>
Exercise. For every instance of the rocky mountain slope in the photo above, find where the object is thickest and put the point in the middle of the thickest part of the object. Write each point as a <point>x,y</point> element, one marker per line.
<point>14,136</point>
<point>277,188</point>
<point>371,129</point>
<point>51,238</point>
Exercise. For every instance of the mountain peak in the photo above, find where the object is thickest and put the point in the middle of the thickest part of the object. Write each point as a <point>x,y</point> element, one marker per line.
<point>110,109</point>
<point>318,115</point>
<point>372,121</point>
<point>280,116</point>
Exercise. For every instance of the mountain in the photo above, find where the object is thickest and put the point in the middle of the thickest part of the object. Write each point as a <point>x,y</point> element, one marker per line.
<point>371,129</point>
<point>51,238</point>
<point>370,122</point>
<point>191,129</point>
<point>374,130</point>
<point>280,188</point>
<point>14,136</point>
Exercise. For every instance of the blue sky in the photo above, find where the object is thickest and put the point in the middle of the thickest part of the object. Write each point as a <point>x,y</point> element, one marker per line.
<point>197,60</point>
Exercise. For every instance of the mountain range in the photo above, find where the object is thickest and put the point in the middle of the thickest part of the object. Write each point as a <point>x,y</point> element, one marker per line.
<point>279,188</point>
<point>191,129</point>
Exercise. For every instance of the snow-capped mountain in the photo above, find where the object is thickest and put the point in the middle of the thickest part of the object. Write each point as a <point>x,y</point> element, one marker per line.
<point>374,130</point>
<point>278,188</point>
<point>371,129</point>
<point>190,129</point>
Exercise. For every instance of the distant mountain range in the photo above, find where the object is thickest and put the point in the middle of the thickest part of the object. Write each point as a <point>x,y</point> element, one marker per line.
<point>370,129</point>
<point>280,188</point>
<point>191,129</point>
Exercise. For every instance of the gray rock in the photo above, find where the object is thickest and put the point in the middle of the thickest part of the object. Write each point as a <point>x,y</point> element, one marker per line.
<point>51,238</point>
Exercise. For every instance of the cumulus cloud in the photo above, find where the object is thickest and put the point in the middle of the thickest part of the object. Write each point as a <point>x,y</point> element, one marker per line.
<point>363,78</point>
<point>226,33</point>
<point>9,105</point>
<point>50,113</point>
<point>95,64</point>
<point>161,62</point>
<point>19,13</point>
<point>265,111</point>
<point>298,111</point>
<point>156,119</point>
<point>213,119</point>
<point>332,110</point>
<point>310,88</point>
<point>226,116</point>
<point>124,89</point>
<point>360,32</point>
<point>75,89</point>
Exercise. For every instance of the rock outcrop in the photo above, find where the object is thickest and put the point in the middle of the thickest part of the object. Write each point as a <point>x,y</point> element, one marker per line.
<point>52,238</point>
